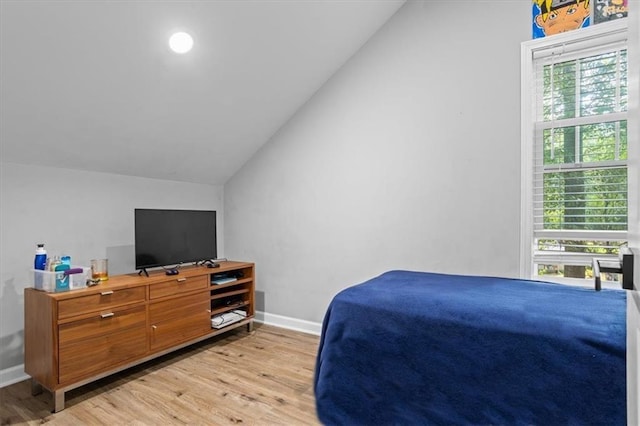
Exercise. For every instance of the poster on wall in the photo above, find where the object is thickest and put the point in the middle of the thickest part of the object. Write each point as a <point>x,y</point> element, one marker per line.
<point>557,16</point>
<point>608,10</point>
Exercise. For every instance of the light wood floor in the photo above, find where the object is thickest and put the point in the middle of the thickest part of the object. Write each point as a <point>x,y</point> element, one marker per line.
<point>260,378</point>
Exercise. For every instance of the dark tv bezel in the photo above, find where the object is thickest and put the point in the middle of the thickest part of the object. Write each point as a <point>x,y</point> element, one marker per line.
<point>177,263</point>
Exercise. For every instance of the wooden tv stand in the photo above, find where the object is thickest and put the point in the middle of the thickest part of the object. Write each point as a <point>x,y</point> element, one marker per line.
<point>73,338</point>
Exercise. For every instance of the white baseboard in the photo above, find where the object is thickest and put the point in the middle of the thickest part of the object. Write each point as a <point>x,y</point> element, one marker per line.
<point>16,374</point>
<point>12,375</point>
<point>289,323</point>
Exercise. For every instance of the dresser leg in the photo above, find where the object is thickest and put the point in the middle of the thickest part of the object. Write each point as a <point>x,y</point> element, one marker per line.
<point>58,401</point>
<point>250,327</point>
<point>36,388</point>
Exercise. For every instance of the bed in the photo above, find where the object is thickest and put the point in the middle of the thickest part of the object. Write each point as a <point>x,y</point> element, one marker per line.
<point>409,348</point>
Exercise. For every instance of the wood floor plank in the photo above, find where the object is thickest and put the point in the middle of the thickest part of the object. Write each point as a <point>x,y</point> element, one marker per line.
<point>264,377</point>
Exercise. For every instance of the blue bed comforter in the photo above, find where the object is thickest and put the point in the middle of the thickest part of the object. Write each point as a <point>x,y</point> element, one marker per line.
<point>410,348</point>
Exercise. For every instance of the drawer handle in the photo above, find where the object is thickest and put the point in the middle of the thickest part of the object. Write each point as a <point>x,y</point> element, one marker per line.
<point>154,326</point>
<point>107,315</point>
<point>106,293</point>
<point>181,280</point>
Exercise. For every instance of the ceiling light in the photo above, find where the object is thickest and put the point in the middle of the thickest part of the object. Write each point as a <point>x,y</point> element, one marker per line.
<point>181,42</point>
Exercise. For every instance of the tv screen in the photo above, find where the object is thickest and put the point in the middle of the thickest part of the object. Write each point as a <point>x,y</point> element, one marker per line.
<point>173,237</point>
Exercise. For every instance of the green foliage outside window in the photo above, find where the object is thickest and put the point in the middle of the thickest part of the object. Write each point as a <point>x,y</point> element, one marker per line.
<point>584,165</point>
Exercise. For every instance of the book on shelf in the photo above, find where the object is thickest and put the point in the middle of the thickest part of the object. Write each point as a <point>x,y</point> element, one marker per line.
<point>228,318</point>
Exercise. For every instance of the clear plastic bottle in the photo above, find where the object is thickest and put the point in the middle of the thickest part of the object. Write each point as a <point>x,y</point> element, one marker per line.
<point>40,261</point>
<point>53,262</point>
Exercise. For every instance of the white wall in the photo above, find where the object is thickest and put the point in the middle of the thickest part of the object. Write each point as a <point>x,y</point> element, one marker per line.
<point>84,214</point>
<point>408,158</point>
<point>633,299</point>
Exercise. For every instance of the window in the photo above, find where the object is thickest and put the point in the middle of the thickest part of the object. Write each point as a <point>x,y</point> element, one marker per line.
<point>574,124</point>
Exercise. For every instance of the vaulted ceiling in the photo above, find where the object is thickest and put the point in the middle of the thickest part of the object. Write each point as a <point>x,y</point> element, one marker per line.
<point>92,84</point>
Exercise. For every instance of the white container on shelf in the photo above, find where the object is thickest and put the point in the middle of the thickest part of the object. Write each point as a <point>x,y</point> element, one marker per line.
<point>46,280</point>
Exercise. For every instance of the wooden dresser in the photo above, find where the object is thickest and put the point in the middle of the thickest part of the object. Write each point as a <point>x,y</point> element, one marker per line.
<point>75,337</point>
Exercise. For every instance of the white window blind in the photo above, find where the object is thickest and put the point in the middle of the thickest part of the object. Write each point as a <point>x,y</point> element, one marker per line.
<point>579,182</point>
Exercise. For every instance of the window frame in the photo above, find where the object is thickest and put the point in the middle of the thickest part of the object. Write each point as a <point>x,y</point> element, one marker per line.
<point>584,39</point>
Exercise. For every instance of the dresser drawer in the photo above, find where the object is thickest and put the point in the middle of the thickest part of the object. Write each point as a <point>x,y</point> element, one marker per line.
<point>104,300</point>
<point>178,285</point>
<point>101,342</point>
<point>102,322</point>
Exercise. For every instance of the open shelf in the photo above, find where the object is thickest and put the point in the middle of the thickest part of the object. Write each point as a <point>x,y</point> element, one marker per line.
<point>226,308</point>
<point>228,294</point>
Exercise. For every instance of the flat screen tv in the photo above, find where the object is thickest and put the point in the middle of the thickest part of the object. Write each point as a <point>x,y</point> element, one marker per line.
<point>169,238</point>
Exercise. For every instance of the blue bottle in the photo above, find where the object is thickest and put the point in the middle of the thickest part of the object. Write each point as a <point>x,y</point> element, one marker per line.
<point>40,262</point>
<point>41,258</point>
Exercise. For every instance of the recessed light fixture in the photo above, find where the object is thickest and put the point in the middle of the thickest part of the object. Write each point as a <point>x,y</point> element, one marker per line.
<point>181,42</point>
